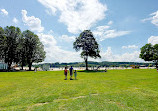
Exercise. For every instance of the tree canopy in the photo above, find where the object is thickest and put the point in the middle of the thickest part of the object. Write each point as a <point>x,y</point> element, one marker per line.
<point>33,47</point>
<point>88,44</point>
<point>9,37</point>
<point>20,48</point>
<point>149,52</point>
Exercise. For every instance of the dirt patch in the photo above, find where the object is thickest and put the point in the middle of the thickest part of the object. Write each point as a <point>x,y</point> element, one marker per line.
<point>38,104</point>
<point>94,94</point>
<point>78,97</point>
<point>57,100</point>
<point>119,104</point>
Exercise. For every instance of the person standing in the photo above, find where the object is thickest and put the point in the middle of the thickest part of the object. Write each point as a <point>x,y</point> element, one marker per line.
<point>71,72</point>
<point>75,74</point>
<point>65,73</point>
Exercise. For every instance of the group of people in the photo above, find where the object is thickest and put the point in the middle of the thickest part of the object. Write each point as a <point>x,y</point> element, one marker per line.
<point>71,73</point>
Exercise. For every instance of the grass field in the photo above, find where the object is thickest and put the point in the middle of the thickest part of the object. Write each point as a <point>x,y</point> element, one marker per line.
<point>96,91</point>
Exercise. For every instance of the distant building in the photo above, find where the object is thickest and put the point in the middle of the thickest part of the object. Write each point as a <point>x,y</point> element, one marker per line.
<point>3,66</point>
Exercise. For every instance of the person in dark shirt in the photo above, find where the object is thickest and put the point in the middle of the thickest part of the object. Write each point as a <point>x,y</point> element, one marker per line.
<point>71,72</point>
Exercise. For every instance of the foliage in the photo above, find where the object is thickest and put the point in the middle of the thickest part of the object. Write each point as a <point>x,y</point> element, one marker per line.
<point>21,48</point>
<point>34,49</point>
<point>89,46</point>
<point>155,55</point>
<point>149,52</point>
<point>8,48</point>
<point>2,43</point>
<point>22,52</point>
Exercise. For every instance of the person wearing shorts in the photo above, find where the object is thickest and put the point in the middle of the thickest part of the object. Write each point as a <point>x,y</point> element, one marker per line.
<point>75,74</point>
<point>65,73</point>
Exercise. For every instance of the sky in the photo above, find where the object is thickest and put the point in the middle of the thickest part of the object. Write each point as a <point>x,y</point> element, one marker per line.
<point>121,27</point>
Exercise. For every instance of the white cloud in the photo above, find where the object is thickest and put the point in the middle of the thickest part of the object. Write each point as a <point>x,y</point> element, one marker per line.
<point>110,22</point>
<point>102,28</point>
<point>4,12</point>
<point>103,32</point>
<point>153,40</point>
<point>68,38</point>
<point>126,57</point>
<point>146,19</point>
<point>32,22</point>
<point>51,32</point>
<point>78,15</point>
<point>55,53</point>
<point>48,12</point>
<point>153,18</point>
<point>108,55</point>
<point>15,20</point>
<point>47,39</point>
<point>130,47</point>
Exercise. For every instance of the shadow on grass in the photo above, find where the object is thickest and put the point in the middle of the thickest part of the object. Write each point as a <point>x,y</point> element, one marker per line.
<point>90,71</point>
<point>14,70</point>
<point>71,79</point>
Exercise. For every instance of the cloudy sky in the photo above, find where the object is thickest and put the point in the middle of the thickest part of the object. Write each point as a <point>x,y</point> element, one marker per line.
<point>121,27</point>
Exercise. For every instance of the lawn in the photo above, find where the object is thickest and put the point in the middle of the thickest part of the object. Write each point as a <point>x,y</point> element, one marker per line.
<point>135,89</point>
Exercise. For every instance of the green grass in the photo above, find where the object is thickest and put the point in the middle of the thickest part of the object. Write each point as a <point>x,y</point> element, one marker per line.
<point>96,91</point>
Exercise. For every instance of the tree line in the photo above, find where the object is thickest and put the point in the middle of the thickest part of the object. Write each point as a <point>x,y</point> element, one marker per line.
<point>23,48</point>
<point>92,64</point>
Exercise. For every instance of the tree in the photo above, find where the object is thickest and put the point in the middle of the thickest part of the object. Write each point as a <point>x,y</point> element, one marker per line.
<point>2,43</point>
<point>155,56</point>
<point>22,51</point>
<point>150,53</point>
<point>33,47</point>
<point>89,46</point>
<point>9,44</point>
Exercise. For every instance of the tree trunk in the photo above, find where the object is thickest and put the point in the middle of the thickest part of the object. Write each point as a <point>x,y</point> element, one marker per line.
<point>86,61</point>
<point>156,64</point>
<point>23,63</point>
<point>9,66</point>
<point>30,64</point>
<point>22,66</point>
